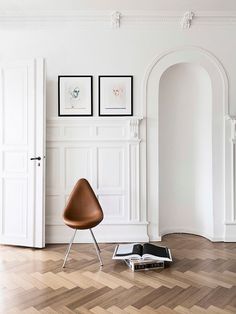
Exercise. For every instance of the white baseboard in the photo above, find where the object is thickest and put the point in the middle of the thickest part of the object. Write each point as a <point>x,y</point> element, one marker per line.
<point>217,239</point>
<point>115,233</point>
<point>189,231</point>
<point>230,232</point>
<point>154,238</point>
<point>103,233</point>
<point>153,233</point>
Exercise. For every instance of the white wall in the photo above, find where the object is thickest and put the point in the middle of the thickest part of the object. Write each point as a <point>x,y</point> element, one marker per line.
<point>83,42</point>
<point>185,150</point>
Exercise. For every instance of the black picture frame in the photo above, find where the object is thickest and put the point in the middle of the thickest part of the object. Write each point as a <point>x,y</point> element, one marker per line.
<point>89,90</point>
<point>117,112</point>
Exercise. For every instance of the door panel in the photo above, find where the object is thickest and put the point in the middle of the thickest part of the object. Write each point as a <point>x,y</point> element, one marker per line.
<point>19,176</point>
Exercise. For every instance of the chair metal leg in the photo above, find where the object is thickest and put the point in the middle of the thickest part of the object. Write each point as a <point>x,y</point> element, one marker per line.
<point>94,239</point>
<point>96,248</point>
<point>68,249</point>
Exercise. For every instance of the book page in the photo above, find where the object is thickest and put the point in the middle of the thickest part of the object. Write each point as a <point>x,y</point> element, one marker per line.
<point>129,249</point>
<point>124,249</point>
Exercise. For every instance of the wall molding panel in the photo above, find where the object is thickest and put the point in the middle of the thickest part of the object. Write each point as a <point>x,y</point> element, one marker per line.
<point>115,20</point>
<point>106,152</point>
<point>230,172</point>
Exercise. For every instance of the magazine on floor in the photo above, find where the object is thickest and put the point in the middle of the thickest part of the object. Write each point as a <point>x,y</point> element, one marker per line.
<point>142,251</point>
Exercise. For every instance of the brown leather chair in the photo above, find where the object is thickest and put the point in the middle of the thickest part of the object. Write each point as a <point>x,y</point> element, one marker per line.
<point>82,211</point>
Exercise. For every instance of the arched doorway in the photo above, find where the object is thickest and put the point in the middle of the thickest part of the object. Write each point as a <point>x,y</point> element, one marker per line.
<point>201,61</point>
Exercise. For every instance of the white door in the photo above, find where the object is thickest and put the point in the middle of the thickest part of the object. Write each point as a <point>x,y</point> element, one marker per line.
<point>22,91</point>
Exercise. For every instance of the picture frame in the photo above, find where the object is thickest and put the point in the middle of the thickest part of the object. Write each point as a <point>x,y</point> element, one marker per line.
<point>115,95</point>
<point>75,95</point>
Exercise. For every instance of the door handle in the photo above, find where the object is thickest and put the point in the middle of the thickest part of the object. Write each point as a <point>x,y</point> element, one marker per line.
<point>35,158</point>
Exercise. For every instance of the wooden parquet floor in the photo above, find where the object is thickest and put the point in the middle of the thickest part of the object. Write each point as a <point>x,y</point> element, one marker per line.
<point>202,279</point>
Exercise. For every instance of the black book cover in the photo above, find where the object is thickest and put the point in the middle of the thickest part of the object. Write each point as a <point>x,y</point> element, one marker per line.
<point>155,250</point>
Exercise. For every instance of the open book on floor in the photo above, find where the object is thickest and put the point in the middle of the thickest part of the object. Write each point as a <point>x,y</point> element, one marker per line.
<point>142,251</point>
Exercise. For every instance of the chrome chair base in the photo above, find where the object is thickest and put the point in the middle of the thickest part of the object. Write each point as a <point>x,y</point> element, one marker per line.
<point>95,245</point>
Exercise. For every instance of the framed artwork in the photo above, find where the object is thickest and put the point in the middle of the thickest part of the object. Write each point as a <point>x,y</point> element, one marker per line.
<point>75,95</point>
<point>115,95</point>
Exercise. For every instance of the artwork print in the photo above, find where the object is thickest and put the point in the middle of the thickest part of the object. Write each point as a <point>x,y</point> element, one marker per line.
<point>115,95</point>
<point>74,95</point>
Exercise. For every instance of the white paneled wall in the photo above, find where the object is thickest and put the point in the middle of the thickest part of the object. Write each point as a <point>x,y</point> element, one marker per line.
<point>146,39</point>
<point>106,153</point>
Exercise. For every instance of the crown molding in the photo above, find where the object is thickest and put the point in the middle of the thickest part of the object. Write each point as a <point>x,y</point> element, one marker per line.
<point>120,19</point>
<point>53,16</point>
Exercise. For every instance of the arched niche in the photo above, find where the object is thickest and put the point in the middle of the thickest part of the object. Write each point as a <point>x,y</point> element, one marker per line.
<point>219,108</point>
<point>185,150</point>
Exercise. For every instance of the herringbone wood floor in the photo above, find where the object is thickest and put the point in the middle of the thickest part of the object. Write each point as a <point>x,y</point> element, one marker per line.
<point>202,279</point>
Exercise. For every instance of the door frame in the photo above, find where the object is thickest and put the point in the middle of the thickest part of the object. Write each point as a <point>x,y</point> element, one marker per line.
<point>211,64</point>
<point>40,149</point>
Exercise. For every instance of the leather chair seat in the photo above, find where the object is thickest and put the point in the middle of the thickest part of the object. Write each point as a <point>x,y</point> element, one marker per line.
<point>83,222</point>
